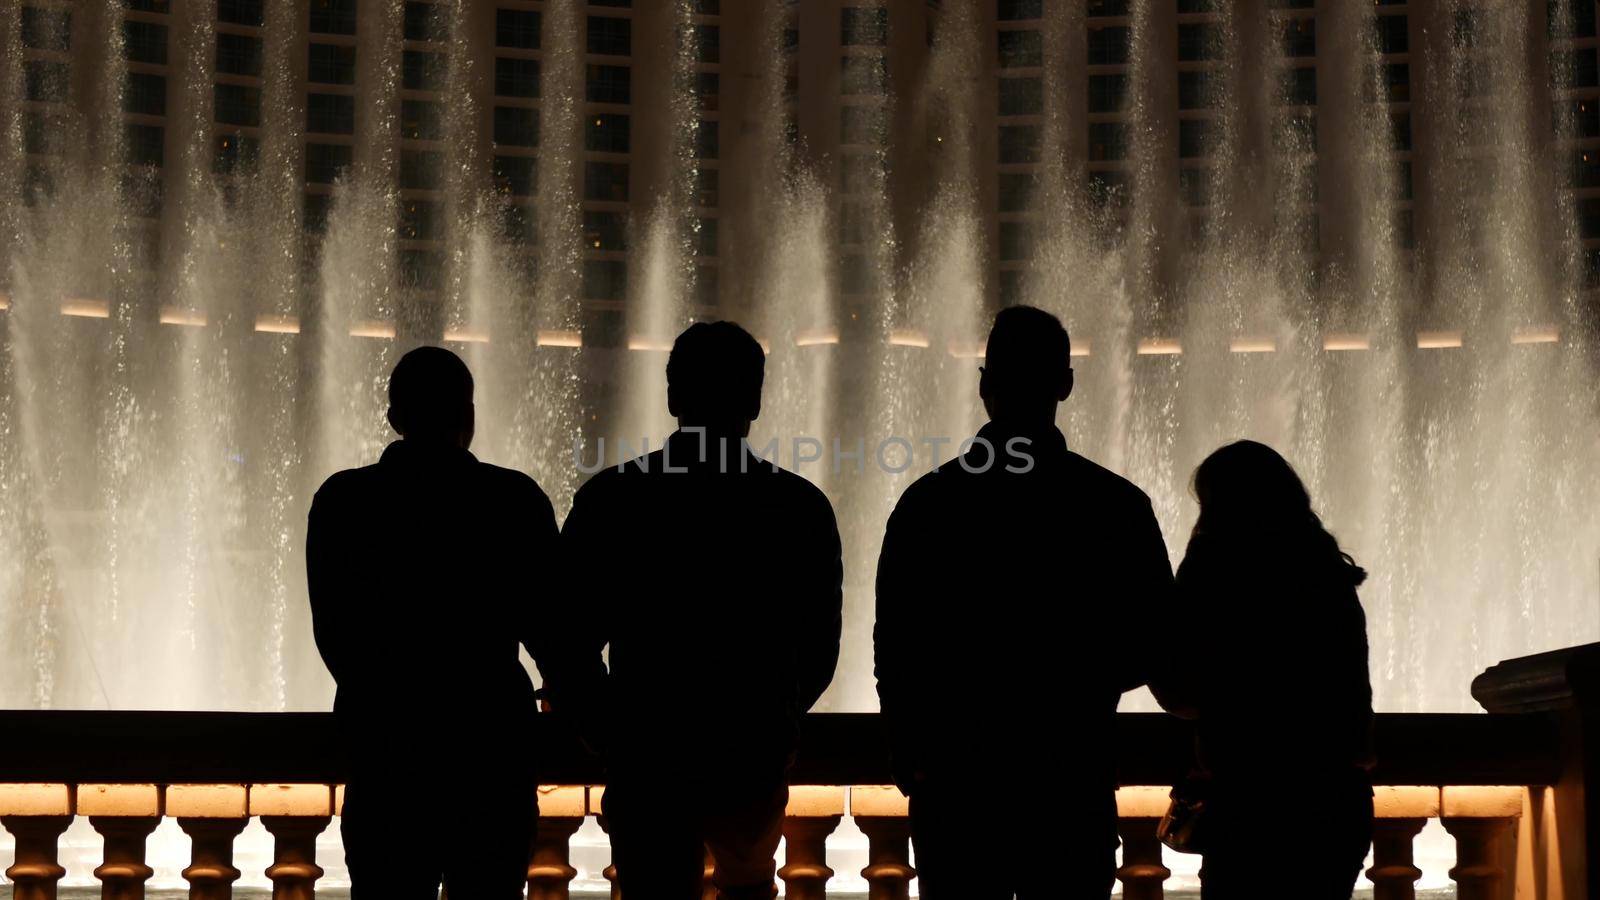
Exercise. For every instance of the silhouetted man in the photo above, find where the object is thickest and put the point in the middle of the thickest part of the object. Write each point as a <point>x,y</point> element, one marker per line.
<point>715,578</point>
<point>1016,589</point>
<point>423,572</point>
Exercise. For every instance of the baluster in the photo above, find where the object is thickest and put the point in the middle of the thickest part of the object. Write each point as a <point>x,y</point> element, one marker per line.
<point>294,814</point>
<point>124,815</point>
<point>812,814</point>
<point>1399,813</point>
<point>550,870</point>
<point>596,796</point>
<point>36,815</point>
<point>881,811</point>
<point>212,815</point>
<point>1480,819</point>
<point>1139,811</point>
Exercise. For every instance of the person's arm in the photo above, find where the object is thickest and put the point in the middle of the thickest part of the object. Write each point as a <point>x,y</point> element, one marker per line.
<point>895,643</point>
<point>822,607</point>
<point>578,622</point>
<point>327,582</point>
<point>1148,608</point>
<point>536,541</point>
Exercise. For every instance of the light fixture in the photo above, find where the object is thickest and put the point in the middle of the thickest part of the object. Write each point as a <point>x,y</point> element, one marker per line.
<point>267,324</point>
<point>559,339</point>
<point>906,337</point>
<point>464,335</point>
<point>1536,334</point>
<point>1340,341</point>
<point>816,337</point>
<point>373,328</point>
<point>1081,347</point>
<point>174,315</point>
<point>1160,347</point>
<point>965,349</point>
<point>646,343</point>
<point>86,308</point>
<point>5,301</point>
<point>1252,345</point>
<point>1438,340</point>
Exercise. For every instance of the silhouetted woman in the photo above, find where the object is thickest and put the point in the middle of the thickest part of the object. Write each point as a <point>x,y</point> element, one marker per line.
<point>1270,658</point>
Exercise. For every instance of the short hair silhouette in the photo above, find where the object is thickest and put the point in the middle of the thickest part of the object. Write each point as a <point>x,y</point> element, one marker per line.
<point>714,374</point>
<point>430,393</point>
<point>1028,357</point>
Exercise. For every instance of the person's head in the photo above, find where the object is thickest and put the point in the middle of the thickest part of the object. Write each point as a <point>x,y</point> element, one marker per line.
<point>1027,367</point>
<point>1248,490</point>
<point>430,398</point>
<point>714,376</point>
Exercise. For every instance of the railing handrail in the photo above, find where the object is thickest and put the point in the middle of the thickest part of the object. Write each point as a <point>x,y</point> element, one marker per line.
<point>159,747</point>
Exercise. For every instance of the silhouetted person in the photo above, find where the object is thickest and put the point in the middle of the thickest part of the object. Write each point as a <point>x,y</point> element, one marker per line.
<point>1270,658</point>
<point>424,573</point>
<point>715,579</point>
<point>1016,586</point>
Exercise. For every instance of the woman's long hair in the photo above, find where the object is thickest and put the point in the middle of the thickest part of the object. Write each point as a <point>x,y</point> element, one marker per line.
<point>1247,491</point>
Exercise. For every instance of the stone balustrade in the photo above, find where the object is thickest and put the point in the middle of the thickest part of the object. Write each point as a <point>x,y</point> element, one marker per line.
<point>1508,787</point>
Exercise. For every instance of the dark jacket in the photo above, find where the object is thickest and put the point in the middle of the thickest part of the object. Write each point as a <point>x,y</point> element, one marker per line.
<point>1013,611</point>
<point>718,591</point>
<point>1270,656</point>
<point>425,573</point>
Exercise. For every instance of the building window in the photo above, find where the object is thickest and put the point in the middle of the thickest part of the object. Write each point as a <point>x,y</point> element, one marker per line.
<point>706,184</point>
<point>516,28</point>
<point>1300,88</point>
<point>234,154</point>
<point>708,43</point>
<point>606,133</point>
<point>1393,36</point>
<point>421,120</point>
<point>707,140</point>
<point>330,64</point>
<point>608,84</point>
<point>1575,68</point>
<point>610,37</point>
<point>421,269</point>
<point>333,16</point>
<point>1397,82</point>
<point>705,285</point>
<point>861,124</point>
<point>1194,90</point>
<point>238,54</point>
<point>605,181</point>
<point>146,144</point>
<point>315,213</point>
<point>619,4</point>
<point>707,90</point>
<point>422,71</point>
<point>1199,41</point>
<point>41,135</point>
<point>1193,186</point>
<point>863,74</point>
<point>1585,118</point>
<point>516,77</point>
<point>605,230</point>
<point>1589,218</point>
<point>44,81</point>
<point>325,113</point>
<point>1014,10</point>
<point>1400,130</point>
<point>1108,45</point>
<point>1107,141</point>
<point>146,94</point>
<point>1016,241</point>
<point>237,104</point>
<point>864,26</point>
<point>1300,37</point>
<point>516,126</point>
<point>1015,187</point>
<point>1019,143</point>
<point>1193,137</point>
<point>1108,7</point>
<point>325,163</point>
<point>705,237</point>
<point>1020,49</point>
<point>519,225</point>
<point>425,23</point>
<point>1570,20</point>
<point>240,12</point>
<point>605,279</point>
<point>516,176</point>
<point>46,29</point>
<point>1108,188</point>
<point>420,220</point>
<point>145,42</point>
<point>1021,96</point>
<point>421,170</point>
<point>1107,93</point>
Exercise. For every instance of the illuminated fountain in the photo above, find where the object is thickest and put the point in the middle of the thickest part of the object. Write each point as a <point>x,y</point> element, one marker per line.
<point>162,427</point>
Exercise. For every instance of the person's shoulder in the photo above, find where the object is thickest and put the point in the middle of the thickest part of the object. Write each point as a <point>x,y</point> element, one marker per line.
<point>614,475</point>
<point>1108,484</point>
<point>346,483</point>
<point>511,483</point>
<point>797,489</point>
<point>933,484</point>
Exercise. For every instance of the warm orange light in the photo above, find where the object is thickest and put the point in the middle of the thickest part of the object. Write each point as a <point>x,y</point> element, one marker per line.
<point>208,801</point>
<point>86,308</point>
<point>644,343</point>
<point>816,337</point>
<point>1438,340</point>
<point>35,800</point>
<point>1346,341</point>
<point>191,318</point>
<point>1160,347</point>
<point>1143,801</point>
<point>1081,347</point>
<point>877,800</point>
<point>965,349</point>
<point>906,337</point>
<point>119,800</point>
<point>559,339</point>
<point>1253,345</point>
<point>373,328</point>
<point>291,800</point>
<point>1536,334</point>
<point>278,324</point>
<point>5,301</point>
<point>465,335</point>
<point>815,801</point>
<point>1481,801</point>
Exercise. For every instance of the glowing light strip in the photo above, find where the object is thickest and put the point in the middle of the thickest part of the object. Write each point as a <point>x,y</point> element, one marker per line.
<point>1438,340</point>
<point>1253,345</point>
<point>559,339</point>
<point>278,324</point>
<point>766,345</point>
<point>1160,347</point>
<point>5,301</point>
<point>1536,334</point>
<point>86,308</point>
<point>466,335</point>
<point>644,343</point>
<point>818,338</point>
<point>965,349</point>
<point>373,328</point>
<point>1340,341</point>
<point>191,318</point>
<point>1081,347</point>
<point>902,337</point>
